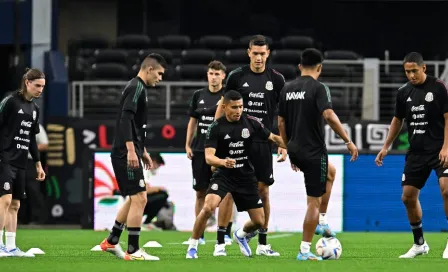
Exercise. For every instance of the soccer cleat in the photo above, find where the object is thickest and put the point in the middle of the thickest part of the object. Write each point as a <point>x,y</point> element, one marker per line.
<point>114,249</point>
<point>266,251</point>
<point>415,251</point>
<point>445,252</point>
<point>308,257</point>
<point>227,240</point>
<point>192,253</point>
<point>324,230</point>
<point>220,250</point>
<point>251,235</point>
<point>17,252</point>
<point>4,252</point>
<point>242,243</point>
<point>201,241</point>
<point>140,255</point>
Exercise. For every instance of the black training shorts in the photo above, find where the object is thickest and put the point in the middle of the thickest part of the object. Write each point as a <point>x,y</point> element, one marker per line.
<point>12,181</point>
<point>261,159</point>
<point>130,181</point>
<point>202,172</point>
<point>315,172</point>
<point>418,167</point>
<point>244,192</point>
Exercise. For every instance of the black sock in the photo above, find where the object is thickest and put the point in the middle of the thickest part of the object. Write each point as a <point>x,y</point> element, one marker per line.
<point>202,236</point>
<point>220,234</point>
<point>229,229</point>
<point>134,235</point>
<point>114,236</point>
<point>262,236</point>
<point>417,230</point>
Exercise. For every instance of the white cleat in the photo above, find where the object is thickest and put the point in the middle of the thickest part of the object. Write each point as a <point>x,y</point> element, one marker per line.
<point>415,251</point>
<point>16,252</point>
<point>227,240</point>
<point>4,252</point>
<point>192,253</point>
<point>266,250</point>
<point>140,255</point>
<point>445,253</point>
<point>220,250</point>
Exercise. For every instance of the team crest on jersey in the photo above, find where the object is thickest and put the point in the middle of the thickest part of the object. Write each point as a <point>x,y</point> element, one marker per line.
<point>6,186</point>
<point>429,97</point>
<point>34,115</point>
<point>269,86</point>
<point>245,133</point>
<point>142,183</point>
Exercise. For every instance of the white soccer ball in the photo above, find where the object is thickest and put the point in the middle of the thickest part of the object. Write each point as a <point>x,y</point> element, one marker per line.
<point>329,248</point>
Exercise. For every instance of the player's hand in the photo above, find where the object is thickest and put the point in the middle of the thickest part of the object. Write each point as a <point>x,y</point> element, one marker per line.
<point>189,152</point>
<point>353,151</point>
<point>228,163</point>
<point>147,161</point>
<point>443,157</point>
<point>40,173</point>
<point>294,168</point>
<point>281,154</point>
<point>380,157</point>
<point>133,160</point>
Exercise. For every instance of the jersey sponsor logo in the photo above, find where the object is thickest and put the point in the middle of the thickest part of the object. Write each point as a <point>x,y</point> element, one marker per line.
<point>236,152</point>
<point>26,132</point>
<point>269,86</point>
<point>237,144</point>
<point>418,108</point>
<point>295,96</point>
<point>20,111</point>
<point>245,133</point>
<point>24,147</point>
<point>26,124</point>
<point>429,97</point>
<point>255,104</point>
<point>226,137</point>
<point>21,139</point>
<point>409,99</point>
<point>142,183</point>
<point>256,95</point>
<point>209,118</point>
<point>245,84</point>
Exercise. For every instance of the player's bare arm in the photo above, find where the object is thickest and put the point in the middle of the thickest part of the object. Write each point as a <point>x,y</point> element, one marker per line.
<point>394,130</point>
<point>190,132</point>
<point>212,160</point>
<point>443,155</point>
<point>277,140</point>
<point>282,129</point>
<point>335,124</point>
<point>147,161</point>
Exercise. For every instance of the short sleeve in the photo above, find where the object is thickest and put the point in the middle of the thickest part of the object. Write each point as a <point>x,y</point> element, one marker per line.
<point>282,104</point>
<point>443,96</point>
<point>211,138</point>
<point>323,98</point>
<point>232,81</point>
<point>193,106</point>
<point>132,95</point>
<point>260,130</point>
<point>400,107</point>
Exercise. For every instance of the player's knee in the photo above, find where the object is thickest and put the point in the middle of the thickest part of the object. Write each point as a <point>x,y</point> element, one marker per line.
<point>445,193</point>
<point>14,206</point>
<point>331,173</point>
<point>140,198</point>
<point>259,220</point>
<point>5,201</point>
<point>208,210</point>
<point>408,199</point>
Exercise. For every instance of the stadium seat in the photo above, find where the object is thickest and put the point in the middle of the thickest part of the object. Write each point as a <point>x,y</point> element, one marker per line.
<point>191,72</point>
<point>341,55</point>
<point>233,66</point>
<point>197,56</point>
<point>336,73</point>
<point>108,71</point>
<point>167,54</point>
<point>296,42</point>
<point>215,42</point>
<point>133,41</point>
<point>288,71</point>
<point>236,56</point>
<point>286,56</point>
<point>111,56</point>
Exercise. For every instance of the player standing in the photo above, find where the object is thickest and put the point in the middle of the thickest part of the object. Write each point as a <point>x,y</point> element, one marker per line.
<point>227,148</point>
<point>198,124</point>
<point>423,102</point>
<point>128,153</point>
<point>260,87</point>
<point>303,103</point>
<point>19,124</point>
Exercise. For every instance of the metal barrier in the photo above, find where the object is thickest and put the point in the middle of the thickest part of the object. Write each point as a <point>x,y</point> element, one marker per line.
<point>352,89</point>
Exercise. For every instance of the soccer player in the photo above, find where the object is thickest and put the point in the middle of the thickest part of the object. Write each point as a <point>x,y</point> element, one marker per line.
<point>423,102</point>
<point>19,124</point>
<point>205,98</point>
<point>128,153</point>
<point>303,103</point>
<point>227,147</point>
<point>260,87</point>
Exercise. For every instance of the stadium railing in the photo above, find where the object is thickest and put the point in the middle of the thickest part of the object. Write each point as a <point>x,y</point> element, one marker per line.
<point>367,92</point>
